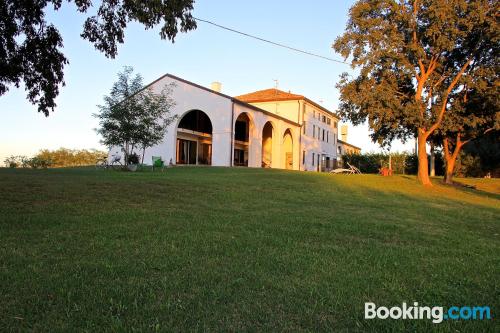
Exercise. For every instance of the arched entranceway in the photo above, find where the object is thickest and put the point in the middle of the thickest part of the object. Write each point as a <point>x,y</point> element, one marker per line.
<point>194,139</point>
<point>267,145</point>
<point>288,150</point>
<point>242,128</point>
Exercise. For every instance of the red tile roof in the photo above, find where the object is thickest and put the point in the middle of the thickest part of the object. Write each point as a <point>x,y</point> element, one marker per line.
<point>273,94</point>
<point>269,95</point>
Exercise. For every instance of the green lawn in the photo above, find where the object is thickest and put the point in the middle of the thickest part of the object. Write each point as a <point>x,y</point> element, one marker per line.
<point>240,249</point>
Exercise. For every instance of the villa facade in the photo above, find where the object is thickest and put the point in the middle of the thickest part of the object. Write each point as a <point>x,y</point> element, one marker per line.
<point>268,128</point>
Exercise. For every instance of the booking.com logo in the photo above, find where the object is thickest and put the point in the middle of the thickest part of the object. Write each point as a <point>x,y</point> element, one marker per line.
<point>436,313</point>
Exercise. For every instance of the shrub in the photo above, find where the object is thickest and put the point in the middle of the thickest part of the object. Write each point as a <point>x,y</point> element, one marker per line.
<point>468,165</point>
<point>24,161</point>
<point>402,163</point>
<point>63,157</point>
<point>12,161</point>
<point>37,163</point>
<point>16,161</point>
<point>366,163</point>
<point>133,158</point>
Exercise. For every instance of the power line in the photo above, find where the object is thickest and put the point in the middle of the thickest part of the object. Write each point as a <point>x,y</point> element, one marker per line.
<point>271,42</point>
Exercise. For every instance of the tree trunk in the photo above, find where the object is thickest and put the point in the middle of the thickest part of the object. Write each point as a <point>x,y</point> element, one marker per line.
<point>423,166</point>
<point>450,167</point>
<point>143,152</point>
<point>433,161</point>
<point>451,159</point>
<point>125,158</point>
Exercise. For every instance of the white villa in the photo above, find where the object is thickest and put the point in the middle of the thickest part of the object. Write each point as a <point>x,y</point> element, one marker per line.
<point>267,128</point>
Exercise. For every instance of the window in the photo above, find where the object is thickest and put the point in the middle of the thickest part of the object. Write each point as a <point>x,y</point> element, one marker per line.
<point>323,138</point>
<point>327,136</point>
<point>335,124</point>
<point>303,157</point>
<point>314,131</point>
<point>328,121</point>
<point>313,158</point>
<point>304,128</point>
<point>324,119</point>
<point>319,132</point>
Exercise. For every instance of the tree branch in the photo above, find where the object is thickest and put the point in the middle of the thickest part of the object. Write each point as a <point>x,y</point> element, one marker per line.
<point>447,94</point>
<point>446,148</point>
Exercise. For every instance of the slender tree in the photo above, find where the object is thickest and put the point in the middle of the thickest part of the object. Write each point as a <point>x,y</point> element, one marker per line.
<point>118,115</point>
<point>31,48</point>
<point>134,117</point>
<point>410,57</point>
<point>154,117</point>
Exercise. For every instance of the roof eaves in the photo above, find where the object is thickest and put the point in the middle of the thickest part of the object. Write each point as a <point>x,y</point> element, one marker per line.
<point>333,114</point>
<point>348,144</point>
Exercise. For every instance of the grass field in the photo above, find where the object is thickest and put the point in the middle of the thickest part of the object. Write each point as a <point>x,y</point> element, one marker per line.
<point>240,250</point>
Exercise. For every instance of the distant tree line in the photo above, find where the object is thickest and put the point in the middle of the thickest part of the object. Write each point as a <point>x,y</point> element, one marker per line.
<point>402,163</point>
<point>59,158</point>
<point>479,158</point>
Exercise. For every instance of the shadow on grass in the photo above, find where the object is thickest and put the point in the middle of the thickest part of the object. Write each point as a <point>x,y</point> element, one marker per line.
<point>471,189</point>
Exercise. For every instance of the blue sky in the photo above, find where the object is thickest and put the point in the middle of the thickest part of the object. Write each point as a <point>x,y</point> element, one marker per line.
<point>204,55</point>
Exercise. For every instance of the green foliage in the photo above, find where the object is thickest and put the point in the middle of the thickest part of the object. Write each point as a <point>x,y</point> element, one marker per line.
<point>17,161</point>
<point>31,47</point>
<point>134,117</point>
<point>63,157</point>
<point>408,58</point>
<point>12,161</point>
<point>133,158</point>
<point>411,164</point>
<point>37,162</point>
<point>487,148</point>
<point>468,165</point>
<point>414,59</point>
<point>402,163</point>
<point>366,163</point>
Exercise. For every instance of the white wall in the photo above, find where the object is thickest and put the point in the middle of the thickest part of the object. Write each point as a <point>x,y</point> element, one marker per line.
<point>311,143</point>
<point>286,109</point>
<point>300,111</point>
<point>257,121</point>
<point>187,98</point>
<point>219,110</point>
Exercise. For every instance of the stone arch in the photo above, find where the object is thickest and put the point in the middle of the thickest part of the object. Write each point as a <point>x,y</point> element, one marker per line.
<point>194,138</point>
<point>287,150</point>
<point>244,137</point>
<point>268,143</point>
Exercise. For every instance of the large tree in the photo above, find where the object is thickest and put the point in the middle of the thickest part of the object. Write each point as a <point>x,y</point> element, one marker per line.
<point>134,117</point>
<point>410,57</point>
<point>31,47</point>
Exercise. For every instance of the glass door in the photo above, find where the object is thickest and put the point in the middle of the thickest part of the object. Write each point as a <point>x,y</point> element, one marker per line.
<point>205,154</point>
<point>186,151</point>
